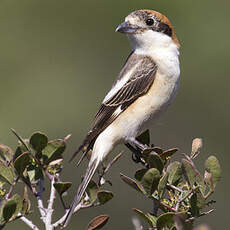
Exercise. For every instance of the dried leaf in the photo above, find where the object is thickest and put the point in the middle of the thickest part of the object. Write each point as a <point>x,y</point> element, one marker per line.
<point>98,222</point>
<point>197,144</point>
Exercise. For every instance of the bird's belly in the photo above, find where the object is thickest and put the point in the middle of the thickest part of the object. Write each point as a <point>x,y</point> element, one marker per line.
<point>138,116</point>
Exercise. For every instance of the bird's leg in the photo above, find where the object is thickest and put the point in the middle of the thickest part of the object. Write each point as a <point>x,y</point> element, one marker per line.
<point>138,144</point>
<point>136,155</point>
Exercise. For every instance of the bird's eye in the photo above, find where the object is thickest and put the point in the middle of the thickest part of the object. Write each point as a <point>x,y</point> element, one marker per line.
<point>149,22</point>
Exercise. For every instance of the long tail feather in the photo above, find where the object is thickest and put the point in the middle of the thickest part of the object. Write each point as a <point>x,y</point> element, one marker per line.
<point>77,199</point>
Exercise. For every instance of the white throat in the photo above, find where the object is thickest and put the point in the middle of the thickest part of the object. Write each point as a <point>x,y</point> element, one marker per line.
<point>149,41</point>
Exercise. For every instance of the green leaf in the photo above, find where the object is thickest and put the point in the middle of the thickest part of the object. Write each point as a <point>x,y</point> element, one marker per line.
<point>98,222</point>
<point>62,187</point>
<point>104,196</point>
<point>154,161</point>
<point>53,150</point>
<point>6,173</point>
<point>192,175</point>
<point>34,172</point>
<point>26,204</point>
<point>168,153</point>
<point>150,180</point>
<point>212,166</point>
<point>162,185</point>
<point>139,174</point>
<point>9,210</point>
<point>145,217</point>
<point>92,190</point>
<point>144,138</point>
<point>38,141</point>
<point>165,220</point>
<point>21,162</point>
<point>132,183</point>
<point>197,202</point>
<point>18,201</point>
<point>6,153</point>
<point>175,173</point>
<point>12,207</point>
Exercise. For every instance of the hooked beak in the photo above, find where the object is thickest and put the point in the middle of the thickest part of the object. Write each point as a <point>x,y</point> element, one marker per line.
<point>126,27</point>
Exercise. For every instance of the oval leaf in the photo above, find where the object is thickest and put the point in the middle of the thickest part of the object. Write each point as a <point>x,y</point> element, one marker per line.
<point>6,153</point>
<point>98,222</point>
<point>150,180</point>
<point>9,210</point>
<point>145,217</point>
<point>92,190</point>
<point>212,166</point>
<point>6,173</point>
<point>165,220</point>
<point>154,161</point>
<point>21,162</point>
<point>62,187</point>
<point>175,173</point>
<point>144,138</point>
<point>162,185</point>
<point>192,174</point>
<point>140,173</point>
<point>168,153</point>
<point>131,183</point>
<point>104,196</point>
<point>53,150</point>
<point>38,141</point>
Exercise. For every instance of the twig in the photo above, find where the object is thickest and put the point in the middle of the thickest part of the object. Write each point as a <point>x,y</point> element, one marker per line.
<point>41,208</point>
<point>50,209</point>
<point>175,188</point>
<point>29,223</point>
<point>11,188</point>
<point>202,214</point>
<point>62,219</point>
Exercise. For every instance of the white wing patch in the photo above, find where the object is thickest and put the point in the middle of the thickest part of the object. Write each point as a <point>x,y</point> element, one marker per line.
<point>120,83</point>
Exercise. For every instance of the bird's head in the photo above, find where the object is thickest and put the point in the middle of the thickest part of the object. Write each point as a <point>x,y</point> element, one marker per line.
<point>148,28</point>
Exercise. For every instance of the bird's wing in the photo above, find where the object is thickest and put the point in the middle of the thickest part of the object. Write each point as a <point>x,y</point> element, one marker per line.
<point>134,80</point>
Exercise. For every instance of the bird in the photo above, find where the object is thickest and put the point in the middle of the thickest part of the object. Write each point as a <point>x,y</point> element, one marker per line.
<point>146,86</point>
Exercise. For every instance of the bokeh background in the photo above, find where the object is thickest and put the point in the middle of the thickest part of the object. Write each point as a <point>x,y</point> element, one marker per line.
<point>59,58</point>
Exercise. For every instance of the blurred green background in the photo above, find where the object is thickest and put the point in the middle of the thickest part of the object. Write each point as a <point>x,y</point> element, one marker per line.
<point>59,58</point>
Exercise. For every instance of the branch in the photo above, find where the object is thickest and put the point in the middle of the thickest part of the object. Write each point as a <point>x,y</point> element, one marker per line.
<point>29,223</point>
<point>50,209</point>
<point>41,208</point>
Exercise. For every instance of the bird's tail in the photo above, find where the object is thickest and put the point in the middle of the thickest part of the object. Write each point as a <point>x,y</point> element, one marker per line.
<point>77,199</point>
